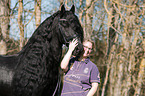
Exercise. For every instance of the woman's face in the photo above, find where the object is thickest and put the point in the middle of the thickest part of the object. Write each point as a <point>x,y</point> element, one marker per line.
<point>87,48</point>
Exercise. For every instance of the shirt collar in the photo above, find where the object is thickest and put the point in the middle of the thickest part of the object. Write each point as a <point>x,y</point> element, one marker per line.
<point>86,60</point>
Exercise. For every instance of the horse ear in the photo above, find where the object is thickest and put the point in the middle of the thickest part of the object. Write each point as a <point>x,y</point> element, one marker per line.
<point>62,9</point>
<point>72,9</point>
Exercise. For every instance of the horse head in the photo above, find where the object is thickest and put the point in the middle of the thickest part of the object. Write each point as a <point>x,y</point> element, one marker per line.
<point>70,28</point>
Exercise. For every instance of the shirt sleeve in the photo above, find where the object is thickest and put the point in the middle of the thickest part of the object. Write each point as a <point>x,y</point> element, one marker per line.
<point>95,75</point>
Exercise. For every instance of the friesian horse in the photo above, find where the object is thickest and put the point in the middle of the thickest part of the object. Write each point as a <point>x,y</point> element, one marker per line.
<point>35,70</point>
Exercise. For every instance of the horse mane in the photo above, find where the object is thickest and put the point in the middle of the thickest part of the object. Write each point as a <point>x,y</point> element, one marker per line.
<point>36,52</point>
<point>41,33</point>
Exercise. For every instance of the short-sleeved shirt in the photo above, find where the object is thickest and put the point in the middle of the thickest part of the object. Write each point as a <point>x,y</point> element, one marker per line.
<point>77,80</point>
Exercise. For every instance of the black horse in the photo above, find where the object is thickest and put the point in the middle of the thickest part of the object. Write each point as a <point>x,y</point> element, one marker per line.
<point>34,71</point>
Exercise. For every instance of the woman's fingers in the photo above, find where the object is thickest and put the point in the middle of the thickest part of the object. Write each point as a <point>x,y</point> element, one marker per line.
<point>73,44</point>
<point>75,41</point>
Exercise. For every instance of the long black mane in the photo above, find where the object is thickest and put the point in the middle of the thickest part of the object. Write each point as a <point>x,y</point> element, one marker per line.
<point>34,71</point>
<point>34,54</point>
<point>42,33</point>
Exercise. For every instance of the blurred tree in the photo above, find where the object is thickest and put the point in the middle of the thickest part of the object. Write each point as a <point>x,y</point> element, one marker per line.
<point>20,23</point>
<point>88,18</point>
<point>4,24</point>
<point>37,12</point>
<point>124,55</point>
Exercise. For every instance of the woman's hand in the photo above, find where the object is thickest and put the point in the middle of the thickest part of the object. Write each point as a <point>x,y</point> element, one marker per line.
<point>65,60</point>
<point>73,44</point>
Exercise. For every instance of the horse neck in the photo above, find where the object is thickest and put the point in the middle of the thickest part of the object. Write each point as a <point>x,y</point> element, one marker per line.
<point>56,47</point>
<point>49,38</point>
<point>48,33</point>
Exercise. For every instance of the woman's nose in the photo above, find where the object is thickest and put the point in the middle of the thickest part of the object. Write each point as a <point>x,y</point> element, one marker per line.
<point>87,50</point>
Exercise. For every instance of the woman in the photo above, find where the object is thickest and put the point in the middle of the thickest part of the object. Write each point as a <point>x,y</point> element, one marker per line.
<point>81,75</point>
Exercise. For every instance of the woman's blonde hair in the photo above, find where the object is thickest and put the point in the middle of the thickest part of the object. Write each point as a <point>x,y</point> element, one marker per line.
<point>89,40</point>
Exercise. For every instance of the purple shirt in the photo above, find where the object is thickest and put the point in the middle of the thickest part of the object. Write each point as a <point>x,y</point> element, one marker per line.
<point>78,79</point>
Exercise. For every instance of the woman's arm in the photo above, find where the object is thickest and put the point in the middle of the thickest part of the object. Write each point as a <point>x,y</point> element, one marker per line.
<point>65,60</point>
<point>93,89</point>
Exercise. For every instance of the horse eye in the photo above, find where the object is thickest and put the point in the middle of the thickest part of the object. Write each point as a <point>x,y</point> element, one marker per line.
<point>71,20</point>
<point>64,23</point>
